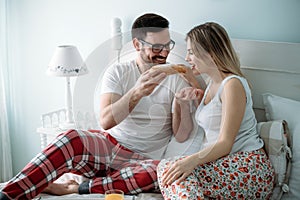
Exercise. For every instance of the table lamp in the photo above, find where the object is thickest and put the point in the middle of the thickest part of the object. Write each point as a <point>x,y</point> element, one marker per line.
<point>67,62</point>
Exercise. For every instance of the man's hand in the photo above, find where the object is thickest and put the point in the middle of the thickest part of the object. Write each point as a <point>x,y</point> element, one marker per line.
<point>148,81</point>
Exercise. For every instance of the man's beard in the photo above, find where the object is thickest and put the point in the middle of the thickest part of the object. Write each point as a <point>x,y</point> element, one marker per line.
<point>154,60</point>
<point>159,59</point>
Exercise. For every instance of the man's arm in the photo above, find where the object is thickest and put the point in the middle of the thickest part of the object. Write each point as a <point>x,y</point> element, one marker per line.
<point>114,108</point>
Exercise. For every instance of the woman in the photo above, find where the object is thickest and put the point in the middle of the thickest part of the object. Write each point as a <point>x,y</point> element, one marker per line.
<point>232,164</point>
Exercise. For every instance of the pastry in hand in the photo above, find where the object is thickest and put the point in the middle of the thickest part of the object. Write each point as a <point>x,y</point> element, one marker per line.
<point>170,69</point>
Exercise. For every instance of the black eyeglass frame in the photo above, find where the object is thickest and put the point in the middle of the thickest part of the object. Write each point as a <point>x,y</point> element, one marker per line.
<point>159,47</point>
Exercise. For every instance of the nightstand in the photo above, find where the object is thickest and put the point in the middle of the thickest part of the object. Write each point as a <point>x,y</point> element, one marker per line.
<point>50,124</point>
<point>48,134</point>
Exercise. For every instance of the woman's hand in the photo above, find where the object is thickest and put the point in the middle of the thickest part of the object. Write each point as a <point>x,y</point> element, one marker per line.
<point>187,94</point>
<point>181,169</point>
<point>190,77</point>
<point>190,73</point>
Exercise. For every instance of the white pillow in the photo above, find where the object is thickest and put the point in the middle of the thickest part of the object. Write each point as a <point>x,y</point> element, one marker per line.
<point>192,145</point>
<point>280,108</point>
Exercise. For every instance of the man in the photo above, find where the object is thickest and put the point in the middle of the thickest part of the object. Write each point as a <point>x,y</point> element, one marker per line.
<point>135,109</point>
<point>136,106</point>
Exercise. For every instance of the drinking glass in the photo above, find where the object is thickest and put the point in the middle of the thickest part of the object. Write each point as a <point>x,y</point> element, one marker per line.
<point>114,194</point>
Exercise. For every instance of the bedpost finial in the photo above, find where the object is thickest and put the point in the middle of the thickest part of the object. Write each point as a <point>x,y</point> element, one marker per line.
<point>116,33</point>
<point>116,26</point>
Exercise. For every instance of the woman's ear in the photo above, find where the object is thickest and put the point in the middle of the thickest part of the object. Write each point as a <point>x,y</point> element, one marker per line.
<point>136,44</point>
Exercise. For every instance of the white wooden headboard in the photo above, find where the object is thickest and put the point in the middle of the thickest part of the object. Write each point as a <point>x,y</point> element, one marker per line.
<point>272,67</point>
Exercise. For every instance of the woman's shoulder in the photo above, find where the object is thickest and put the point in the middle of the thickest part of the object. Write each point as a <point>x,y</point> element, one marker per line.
<point>235,81</point>
<point>237,85</point>
<point>234,85</point>
<point>234,77</point>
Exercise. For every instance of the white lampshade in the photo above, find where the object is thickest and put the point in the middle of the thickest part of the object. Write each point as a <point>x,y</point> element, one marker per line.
<point>66,62</point>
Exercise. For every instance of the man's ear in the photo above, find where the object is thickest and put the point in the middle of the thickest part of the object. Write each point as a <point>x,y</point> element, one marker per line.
<point>136,43</point>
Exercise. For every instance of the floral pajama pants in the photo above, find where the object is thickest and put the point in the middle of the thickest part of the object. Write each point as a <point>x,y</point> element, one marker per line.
<point>243,175</point>
<point>95,155</point>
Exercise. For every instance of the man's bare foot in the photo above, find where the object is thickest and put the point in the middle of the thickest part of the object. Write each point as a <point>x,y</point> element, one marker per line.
<point>69,187</point>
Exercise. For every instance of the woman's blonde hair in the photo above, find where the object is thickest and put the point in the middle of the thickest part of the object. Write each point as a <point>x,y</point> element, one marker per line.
<point>214,39</point>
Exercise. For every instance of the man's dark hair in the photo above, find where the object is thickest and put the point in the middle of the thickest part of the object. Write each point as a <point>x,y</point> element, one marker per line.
<point>149,22</point>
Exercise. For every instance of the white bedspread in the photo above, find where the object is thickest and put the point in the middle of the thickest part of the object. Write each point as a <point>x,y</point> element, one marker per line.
<point>142,196</point>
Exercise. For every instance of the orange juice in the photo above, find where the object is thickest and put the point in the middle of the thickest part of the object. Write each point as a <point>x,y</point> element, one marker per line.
<point>114,197</point>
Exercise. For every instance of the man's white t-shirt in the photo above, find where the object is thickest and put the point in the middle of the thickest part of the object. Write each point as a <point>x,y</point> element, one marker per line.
<point>148,128</point>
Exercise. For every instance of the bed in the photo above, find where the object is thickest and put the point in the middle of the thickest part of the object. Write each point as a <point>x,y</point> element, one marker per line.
<point>271,67</point>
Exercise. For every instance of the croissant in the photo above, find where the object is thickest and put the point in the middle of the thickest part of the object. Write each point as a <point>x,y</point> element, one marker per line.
<point>171,69</point>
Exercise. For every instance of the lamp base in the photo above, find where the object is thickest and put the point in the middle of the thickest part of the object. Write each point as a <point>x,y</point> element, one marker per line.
<point>67,126</point>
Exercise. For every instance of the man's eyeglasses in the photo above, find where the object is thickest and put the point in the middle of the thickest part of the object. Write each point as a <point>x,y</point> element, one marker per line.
<point>157,48</point>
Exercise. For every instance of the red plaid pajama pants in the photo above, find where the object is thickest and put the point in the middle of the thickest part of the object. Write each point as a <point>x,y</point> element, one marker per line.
<point>93,154</point>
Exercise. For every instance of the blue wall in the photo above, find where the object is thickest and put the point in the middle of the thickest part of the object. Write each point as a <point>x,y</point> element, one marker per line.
<point>37,27</point>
